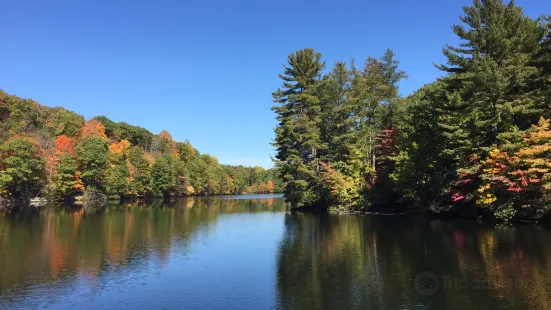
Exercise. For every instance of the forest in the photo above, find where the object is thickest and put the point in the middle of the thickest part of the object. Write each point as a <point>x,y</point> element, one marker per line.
<point>475,142</point>
<point>56,154</point>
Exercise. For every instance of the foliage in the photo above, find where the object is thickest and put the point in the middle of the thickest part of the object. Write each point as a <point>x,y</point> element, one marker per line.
<point>56,153</point>
<point>344,188</point>
<point>93,128</point>
<point>298,142</point>
<point>162,176</point>
<point>476,140</point>
<point>116,179</point>
<point>92,160</point>
<point>67,180</point>
<point>21,168</point>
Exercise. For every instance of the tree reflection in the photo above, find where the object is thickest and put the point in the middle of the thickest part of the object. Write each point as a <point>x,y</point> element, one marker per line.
<point>62,246</point>
<point>353,262</point>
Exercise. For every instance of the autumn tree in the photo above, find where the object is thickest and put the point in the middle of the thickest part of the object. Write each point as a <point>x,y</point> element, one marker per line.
<point>93,128</point>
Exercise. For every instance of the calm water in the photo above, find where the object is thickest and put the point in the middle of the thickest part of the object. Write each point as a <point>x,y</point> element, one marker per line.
<point>249,253</point>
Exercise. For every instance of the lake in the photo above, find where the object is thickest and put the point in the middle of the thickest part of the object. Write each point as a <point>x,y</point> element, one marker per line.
<point>250,252</point>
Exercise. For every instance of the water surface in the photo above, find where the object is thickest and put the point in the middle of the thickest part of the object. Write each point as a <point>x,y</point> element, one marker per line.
<point>249,252</point>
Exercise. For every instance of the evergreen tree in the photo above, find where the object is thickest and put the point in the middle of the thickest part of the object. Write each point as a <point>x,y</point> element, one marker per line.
<point>492,71</point>
<point>372,89</point>
<point>337,121</point>
<point>298,142</point>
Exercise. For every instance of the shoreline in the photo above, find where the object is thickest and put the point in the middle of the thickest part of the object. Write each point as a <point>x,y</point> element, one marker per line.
<point>543,222</point>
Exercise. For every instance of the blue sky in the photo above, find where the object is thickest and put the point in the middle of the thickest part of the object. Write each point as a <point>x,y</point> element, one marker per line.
<point>205,70</point>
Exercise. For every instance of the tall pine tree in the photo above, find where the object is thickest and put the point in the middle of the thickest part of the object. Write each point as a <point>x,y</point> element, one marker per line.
<point>298,140</point>
<point>492,71</point>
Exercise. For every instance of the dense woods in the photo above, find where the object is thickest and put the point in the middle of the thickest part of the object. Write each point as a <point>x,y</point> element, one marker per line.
<point>475,141</point>
<point>55,153</point>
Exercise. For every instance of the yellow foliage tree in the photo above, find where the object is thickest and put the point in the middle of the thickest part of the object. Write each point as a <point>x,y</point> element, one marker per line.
<point>120,147</point>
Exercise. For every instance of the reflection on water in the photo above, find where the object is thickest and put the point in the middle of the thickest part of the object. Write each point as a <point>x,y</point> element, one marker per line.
<point>396,262</point>
<point>249,253</point>
<point>61,257</point>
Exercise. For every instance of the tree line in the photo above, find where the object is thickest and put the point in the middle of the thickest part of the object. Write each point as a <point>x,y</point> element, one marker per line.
<point>475,141</point>
<point>55,153</point>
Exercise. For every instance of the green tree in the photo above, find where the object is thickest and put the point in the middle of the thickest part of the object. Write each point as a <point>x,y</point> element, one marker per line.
<point>112,129</point>
<point>337,116</point>
<point>65,178</point>
<point>92,155</point>
<point>163,176</point>
<point>116,178</point>
<point>62,122</point>
<point>298,141</point>
<point>21,168</point>
<point>186,150</point>
<point>139,168</point>
<point>492,71</point>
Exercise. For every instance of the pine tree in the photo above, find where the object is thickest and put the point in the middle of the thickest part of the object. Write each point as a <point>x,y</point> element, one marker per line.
<point>492,71</point>
<point>372,89</point>
<point>337,121</point>
<point>298,140</point>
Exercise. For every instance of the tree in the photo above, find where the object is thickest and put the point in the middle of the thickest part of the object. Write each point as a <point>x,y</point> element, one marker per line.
<point>120,148</point>
<point>62,122</point>
<point>492,70</point>
<point>520,181</point>
<point>93,128</point>
<point>186,151</point>
<point>337,117</point>
<point>298,140</point>
<point>139,168</point>
<point>168,145</point>
<point>116,178</point>
<point>66,179</point>
<point>112,129</point>
<point>21,168</point>
<point>372,89</point>
<point>162,176</point>
<point>107,157</point>
<point>64,144</point>
<point>92,157</point>
<point>344,188</point>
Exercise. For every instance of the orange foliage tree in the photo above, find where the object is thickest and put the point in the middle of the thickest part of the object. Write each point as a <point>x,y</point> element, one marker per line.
<point>168,145</point>
<point>64,144</point>
<point>522,178</point>
<point>93,128</point>
<point>120,147</point>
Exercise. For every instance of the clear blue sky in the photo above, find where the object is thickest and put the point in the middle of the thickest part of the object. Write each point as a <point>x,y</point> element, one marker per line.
<point>205,70</point>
